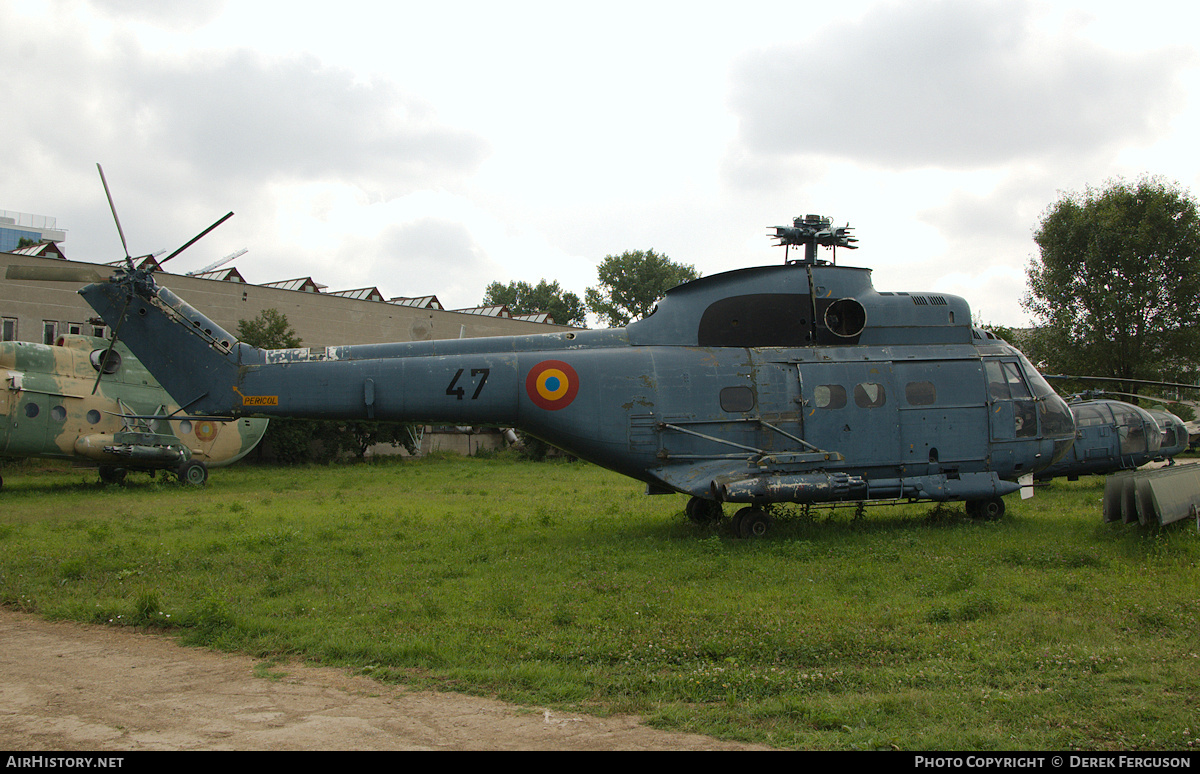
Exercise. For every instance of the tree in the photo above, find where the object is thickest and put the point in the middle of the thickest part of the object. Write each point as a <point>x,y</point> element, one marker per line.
<point>1116,291</point>
<point>523,298</point>
<point>270,330</point>
<point>632,282</point>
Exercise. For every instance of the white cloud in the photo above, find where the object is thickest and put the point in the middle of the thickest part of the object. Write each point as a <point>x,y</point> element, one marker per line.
<point>952,85</point>
<point>443,146</point>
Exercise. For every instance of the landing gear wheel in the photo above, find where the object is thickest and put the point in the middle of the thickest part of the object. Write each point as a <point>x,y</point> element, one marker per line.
<point>752,522</point>
<point>193,472</point>
<point>702,511</point>
<point>986,510</point>
<point>111,475</point>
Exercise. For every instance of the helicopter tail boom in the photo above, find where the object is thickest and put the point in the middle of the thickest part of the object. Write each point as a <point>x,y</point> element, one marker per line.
<point>208,371</point>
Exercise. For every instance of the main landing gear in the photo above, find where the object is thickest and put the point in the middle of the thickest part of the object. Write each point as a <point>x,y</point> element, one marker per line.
<point>749,522</point>
<point>990,509</point>
<point>193,472</point>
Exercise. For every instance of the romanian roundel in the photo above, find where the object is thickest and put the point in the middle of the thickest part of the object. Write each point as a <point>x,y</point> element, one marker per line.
<point>552,385</point>
<point>205,430</point>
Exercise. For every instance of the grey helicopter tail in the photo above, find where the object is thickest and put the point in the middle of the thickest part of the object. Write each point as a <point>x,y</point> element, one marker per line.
<point>193,358</point>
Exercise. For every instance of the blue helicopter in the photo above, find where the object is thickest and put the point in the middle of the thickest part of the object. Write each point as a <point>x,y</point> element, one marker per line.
<point>1113,435</point>
<point>792,383</point>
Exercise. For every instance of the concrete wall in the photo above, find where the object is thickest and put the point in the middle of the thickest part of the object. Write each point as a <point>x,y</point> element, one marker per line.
<point>320,320</point>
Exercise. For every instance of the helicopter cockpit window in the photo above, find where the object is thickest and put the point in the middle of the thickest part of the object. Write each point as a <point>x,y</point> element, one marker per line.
<point>1005,382</point>
<point>920,393</point>
<point>1016,383</point>
<point>829,396</point>
<point>112,363</point>
<point>737,399</point>
<point>1091,416</point>
<point>869,395</point>
<point>1138,433</point>
<point>997,384</point>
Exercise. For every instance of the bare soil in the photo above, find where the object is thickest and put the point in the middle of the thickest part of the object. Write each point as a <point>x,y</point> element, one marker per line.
<point>67,686</point>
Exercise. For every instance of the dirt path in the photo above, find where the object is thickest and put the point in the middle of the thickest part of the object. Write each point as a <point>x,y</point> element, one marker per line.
<point>67,686</point>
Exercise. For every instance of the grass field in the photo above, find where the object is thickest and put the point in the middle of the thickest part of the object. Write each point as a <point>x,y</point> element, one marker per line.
<point>562,585</point>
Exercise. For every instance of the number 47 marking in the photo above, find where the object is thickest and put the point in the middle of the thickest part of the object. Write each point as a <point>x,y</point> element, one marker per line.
<point>458,392</point>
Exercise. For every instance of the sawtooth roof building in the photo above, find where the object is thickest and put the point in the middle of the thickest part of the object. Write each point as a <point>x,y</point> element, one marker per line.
<point>40,310</point>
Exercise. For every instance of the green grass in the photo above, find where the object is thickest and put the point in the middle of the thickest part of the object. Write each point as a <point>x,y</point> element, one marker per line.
<point>562,585</point>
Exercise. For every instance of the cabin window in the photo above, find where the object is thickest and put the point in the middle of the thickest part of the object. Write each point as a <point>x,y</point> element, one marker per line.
<point>829,396</point>
<point>58,413</point>
<point>869,395</point>
<point>185,427</point>
<point>31,410</point>
<point>93,417</point>
<point>737,399</point>
<point>920,393</point>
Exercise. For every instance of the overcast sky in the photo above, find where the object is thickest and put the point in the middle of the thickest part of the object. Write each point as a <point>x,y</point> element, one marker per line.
<point>432,148</point>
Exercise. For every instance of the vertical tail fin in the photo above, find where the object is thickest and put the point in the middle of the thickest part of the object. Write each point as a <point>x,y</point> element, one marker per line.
<point>194,359</point>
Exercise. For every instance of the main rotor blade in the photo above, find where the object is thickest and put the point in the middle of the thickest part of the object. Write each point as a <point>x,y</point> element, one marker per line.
<point>112,207</point>
<point>1120,379</point>
<point>111,345</point>
<point>53,274</point>
<point>196,238</point>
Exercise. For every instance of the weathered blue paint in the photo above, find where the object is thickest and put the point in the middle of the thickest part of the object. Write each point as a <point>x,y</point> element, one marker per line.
<point>797,382</point>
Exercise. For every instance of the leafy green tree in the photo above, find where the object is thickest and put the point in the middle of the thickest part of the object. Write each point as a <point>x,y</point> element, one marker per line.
<point>1116,290</point>
<point>632,282</point>
<point>523,298</point>
<point>270,330</point>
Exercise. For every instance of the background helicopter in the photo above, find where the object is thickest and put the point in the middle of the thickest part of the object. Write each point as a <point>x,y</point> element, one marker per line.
<point>789,383</point>
<point>90,398</point>
<point>1112,435</point>
<point>86,399</point>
